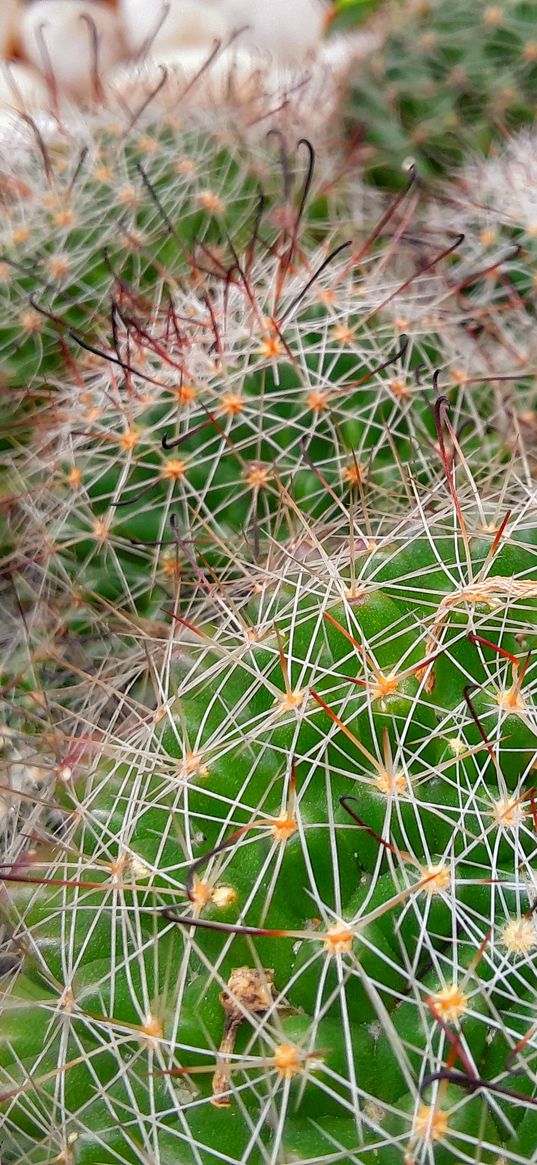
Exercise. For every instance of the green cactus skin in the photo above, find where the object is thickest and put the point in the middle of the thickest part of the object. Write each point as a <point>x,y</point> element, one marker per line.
<point>279,904</point>
<point>440,910</point>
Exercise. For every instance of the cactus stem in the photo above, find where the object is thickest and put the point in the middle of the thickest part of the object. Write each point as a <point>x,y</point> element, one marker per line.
<point>153,194</point>
<point>472,966</point>
<point>37,1081</point>
<point>468,688</point>
<point>354,471</point>
<point>384,685</point>
<point>281,827</point>
<point>372,833</point>
<point>294,699</point>
<point>533,803</point>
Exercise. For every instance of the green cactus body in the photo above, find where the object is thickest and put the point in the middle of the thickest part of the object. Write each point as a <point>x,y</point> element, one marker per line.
<point>142,208</point>
<point>446,79</point>
<point>352,906</point>
<point>273,601</point>
<point>233,406</point>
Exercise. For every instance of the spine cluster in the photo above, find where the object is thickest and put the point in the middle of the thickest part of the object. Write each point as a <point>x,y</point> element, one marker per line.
<point>268,804</point>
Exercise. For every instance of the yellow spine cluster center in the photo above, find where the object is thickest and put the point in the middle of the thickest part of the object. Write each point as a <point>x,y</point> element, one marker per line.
<point>450,1002</point>
<point>287,1061</point>
<point>431,1124</point>
<point>338,940</point>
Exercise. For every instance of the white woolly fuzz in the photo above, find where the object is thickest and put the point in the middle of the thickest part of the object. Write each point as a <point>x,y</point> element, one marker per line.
<point>175,25</point>
<point>76,41</point>
<point>250,82</point>
<point>506,184</point>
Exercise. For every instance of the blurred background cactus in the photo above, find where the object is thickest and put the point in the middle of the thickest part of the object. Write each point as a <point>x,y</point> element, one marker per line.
<point>445,79</point>
<point>267,806</point>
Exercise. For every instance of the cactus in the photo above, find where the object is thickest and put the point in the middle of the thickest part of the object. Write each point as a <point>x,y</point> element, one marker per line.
<point>446,79</point>
<point>273,900</point>
<point>180,377</point>
<point>288,913</point>
<point>82,216</point>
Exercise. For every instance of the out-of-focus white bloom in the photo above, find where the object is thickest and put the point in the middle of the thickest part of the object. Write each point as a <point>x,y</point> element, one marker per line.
<point>22,89</point>
<point>78,42</point>
<point>289,31</point>
<point>175,25</point>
